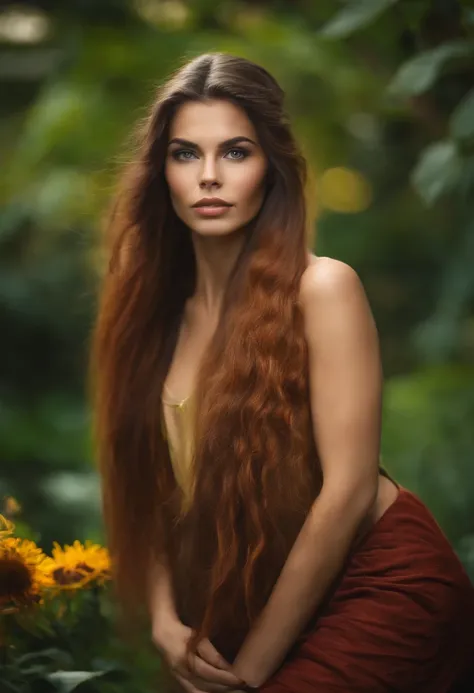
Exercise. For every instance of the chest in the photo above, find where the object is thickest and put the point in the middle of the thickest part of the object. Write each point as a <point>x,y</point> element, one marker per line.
<point>178,398</point>
<point>191,346</point>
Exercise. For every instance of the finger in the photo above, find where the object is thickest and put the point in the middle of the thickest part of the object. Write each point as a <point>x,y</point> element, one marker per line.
<point>208,687</point>
<point>187,685</point>
<point>208,652</point>
<point>197,685</point>
<point>213,675</point>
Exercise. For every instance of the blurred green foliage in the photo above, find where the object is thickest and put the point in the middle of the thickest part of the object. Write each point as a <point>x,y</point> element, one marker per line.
<point>380,87</point>
<point>70,643</point>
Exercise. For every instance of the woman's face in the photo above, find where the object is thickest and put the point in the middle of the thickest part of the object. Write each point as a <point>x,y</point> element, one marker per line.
<point>213,152</point>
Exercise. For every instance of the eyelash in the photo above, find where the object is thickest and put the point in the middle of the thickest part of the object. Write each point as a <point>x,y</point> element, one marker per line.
<point>176,154</point>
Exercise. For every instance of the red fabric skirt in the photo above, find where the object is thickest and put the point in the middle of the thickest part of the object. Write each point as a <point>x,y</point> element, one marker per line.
<point>400,619</point>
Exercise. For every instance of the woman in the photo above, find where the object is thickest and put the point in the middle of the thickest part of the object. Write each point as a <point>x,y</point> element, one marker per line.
<point>238,399</point>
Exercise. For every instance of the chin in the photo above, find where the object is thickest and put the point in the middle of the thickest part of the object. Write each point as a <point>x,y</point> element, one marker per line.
<point>214,229</point>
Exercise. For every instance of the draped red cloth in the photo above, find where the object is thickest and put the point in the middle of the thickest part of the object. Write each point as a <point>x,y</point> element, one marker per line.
<point>400,619</point>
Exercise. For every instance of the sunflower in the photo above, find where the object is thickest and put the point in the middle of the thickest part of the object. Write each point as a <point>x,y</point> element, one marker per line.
<point>6,527</point>
<point>24,574</point>
<point>79,565</point>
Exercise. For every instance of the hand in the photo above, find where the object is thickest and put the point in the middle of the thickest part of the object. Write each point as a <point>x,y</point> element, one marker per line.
<point>205,671</point>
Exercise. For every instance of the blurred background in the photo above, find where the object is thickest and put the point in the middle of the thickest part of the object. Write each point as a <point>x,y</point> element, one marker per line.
<point>381,96</point>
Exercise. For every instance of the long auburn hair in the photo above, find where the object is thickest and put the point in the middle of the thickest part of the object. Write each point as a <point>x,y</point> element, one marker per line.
<point>255,464</point>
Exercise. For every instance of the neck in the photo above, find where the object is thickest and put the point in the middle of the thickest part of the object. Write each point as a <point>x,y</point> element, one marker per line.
<point>215,259</point>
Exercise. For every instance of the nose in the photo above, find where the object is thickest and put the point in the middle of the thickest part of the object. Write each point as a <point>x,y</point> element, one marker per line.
<point>209,173</point>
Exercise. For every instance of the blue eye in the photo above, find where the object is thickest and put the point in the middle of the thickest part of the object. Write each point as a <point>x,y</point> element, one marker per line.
<point>243,152</point>
<point>188,155</point>
<point>177,154</point>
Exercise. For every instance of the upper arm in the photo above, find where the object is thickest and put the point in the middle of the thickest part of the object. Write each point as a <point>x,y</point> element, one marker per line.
<point>345,376</point>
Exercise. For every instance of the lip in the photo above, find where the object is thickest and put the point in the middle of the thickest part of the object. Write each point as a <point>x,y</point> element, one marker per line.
<point>212,210</point>
<point>212,202</point>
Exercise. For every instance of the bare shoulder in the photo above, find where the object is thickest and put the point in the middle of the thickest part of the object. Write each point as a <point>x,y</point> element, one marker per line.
<point>328,280</point>
<point>334,304</point>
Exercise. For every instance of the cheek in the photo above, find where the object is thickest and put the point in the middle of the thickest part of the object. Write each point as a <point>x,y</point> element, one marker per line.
<point>251,185</point>
<point>177,183</point>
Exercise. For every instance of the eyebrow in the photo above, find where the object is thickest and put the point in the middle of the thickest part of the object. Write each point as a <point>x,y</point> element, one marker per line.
<point>222,145</point>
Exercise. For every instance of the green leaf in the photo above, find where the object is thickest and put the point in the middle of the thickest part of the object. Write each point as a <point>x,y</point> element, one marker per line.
<point>9,686</point>
<point>462,120</point>
<point>437,338</point>
<point>52,658</point>
<point>469,16</point>
<point>437,170</point>
<point>67,681</point>
<point>420,73</point>
<point>50,653</point>
<point>34,622</point>
<point>357,14</point>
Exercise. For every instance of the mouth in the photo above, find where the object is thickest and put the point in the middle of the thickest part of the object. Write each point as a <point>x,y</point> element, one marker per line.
<point>212,210</point>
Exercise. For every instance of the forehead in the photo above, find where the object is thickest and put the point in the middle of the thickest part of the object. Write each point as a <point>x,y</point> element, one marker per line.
<point>212,121</point>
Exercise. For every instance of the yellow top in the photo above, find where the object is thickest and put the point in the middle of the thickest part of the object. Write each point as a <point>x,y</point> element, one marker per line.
<point>177,426</point>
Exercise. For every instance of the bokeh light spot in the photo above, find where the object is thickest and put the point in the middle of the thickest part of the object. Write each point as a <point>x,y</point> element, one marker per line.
<point>344,190</point>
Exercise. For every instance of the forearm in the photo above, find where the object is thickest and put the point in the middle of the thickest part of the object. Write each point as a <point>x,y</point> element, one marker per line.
<point>314,562</point>
<point>161,596</point>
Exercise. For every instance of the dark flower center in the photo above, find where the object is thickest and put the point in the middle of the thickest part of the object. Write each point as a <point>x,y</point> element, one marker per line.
<point>63,576</point>
<point>15,578</point>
